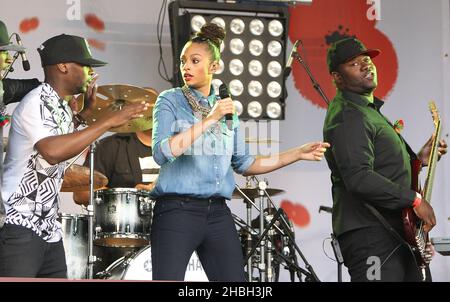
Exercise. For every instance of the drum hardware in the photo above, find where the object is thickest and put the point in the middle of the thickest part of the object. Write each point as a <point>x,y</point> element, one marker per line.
<point>334,245</point>
<point>249,203</point>
<point>252,193</point>
<point>271,222</point>
<point>145,206</point>
<point>90,209</point>
<point>250,140</point>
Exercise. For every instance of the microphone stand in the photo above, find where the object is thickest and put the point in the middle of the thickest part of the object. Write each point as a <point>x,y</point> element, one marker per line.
<point>316,85</point>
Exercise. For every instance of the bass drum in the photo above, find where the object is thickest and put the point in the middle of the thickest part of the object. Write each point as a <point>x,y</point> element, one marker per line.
<point>138,266</point>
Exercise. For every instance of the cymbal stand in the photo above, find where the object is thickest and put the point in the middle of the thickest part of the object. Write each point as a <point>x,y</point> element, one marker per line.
<point>249,204</point>
<point>249,235</point>
<point>262,186</point>
<point>75,158</point>
<point>90,209</point>
<point>311,276</point>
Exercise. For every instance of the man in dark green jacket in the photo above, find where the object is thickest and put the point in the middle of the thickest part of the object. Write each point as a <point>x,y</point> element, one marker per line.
<point>370,164</point>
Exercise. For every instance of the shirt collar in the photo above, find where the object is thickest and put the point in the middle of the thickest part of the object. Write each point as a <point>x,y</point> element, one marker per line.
<point>359,100</point>
<point>211,97</point>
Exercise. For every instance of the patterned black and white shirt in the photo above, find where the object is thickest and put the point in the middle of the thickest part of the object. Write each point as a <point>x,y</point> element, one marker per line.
<point>30,183</point>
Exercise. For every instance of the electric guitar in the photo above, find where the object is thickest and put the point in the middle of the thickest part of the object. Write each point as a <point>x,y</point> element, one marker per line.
<point>413,225</point>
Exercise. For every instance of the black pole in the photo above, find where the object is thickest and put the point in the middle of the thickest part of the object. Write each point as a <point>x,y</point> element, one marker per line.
<point>316,85</point>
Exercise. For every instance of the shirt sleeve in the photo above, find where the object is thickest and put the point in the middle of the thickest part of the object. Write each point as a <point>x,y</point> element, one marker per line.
<point>164,121</point>
<point>36,121</point>
<point>241,159</point>
<point>15,90</point>
<point>352,146</point>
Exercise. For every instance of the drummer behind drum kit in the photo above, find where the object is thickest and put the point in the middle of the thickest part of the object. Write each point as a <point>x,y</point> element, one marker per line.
<point>114,243</point>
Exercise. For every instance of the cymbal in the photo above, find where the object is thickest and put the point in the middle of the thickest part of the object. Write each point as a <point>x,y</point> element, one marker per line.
<point>114,97</point>
<point>250,140</point>
<point>76,179</point>
<point>252,193</point>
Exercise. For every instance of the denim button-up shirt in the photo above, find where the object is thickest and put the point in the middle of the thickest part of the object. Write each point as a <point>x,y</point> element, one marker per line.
<point>206,167</point>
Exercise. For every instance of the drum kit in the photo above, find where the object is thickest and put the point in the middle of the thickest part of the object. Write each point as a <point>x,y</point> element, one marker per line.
<point>114,243</point>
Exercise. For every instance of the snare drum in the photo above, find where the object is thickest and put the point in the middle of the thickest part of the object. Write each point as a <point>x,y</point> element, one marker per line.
<point>138,266</point>
<point>123,217</point>
<point>75,238</point>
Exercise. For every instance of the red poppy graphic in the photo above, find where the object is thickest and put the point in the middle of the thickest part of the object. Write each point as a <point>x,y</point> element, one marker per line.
<point>29,24</point>
<point>296,212</point>
<point>326,21</point>
<point>94,22</point>
<point>97,44</point>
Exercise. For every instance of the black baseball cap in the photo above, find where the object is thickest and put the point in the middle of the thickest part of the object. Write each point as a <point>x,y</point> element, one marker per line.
<point>65,49</point>
<point>346,49</point>
<point>4,40</point>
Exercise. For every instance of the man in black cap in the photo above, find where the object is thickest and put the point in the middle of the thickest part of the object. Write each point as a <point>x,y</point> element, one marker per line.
<point>42,139</point>
<point>370,165</point>
<point>11,90</point>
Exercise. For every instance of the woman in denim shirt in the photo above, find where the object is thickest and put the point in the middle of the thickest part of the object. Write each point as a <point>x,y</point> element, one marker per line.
<point>198,153</point>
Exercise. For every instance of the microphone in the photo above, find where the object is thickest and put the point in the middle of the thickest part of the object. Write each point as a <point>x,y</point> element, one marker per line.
<point>288,68</point>
<point>224,93</point>
<point>25,62</point>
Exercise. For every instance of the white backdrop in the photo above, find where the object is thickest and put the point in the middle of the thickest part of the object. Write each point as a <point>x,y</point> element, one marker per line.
<point>418,29</point>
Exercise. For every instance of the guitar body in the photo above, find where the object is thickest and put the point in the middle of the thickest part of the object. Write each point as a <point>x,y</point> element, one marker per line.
<point>412,223</point>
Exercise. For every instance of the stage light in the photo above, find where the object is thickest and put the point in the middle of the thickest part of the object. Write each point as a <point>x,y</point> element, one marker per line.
<point>256,27</point>
<point>274,48</point>
<point>237,26</point>
<point>255,88</point>
<point>253,54</point>
<point>197,22</point>
<point>236,87</point>
<point>237,46</point>
<point>254,109</point>
<point>274,89</point>
<point>221,67</point>
<point>274,69</point>
<point>273,110</point>
<point>238,106</point>
<point>236,67</point>
<point>255,68</point>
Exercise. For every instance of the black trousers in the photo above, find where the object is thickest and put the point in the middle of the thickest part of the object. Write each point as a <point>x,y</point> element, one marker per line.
<point>373,254</point>
<point>184,225</point>
<point>25,254</point>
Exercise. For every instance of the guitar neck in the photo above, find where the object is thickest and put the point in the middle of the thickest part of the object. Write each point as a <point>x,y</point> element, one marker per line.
<point>428,187</point>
